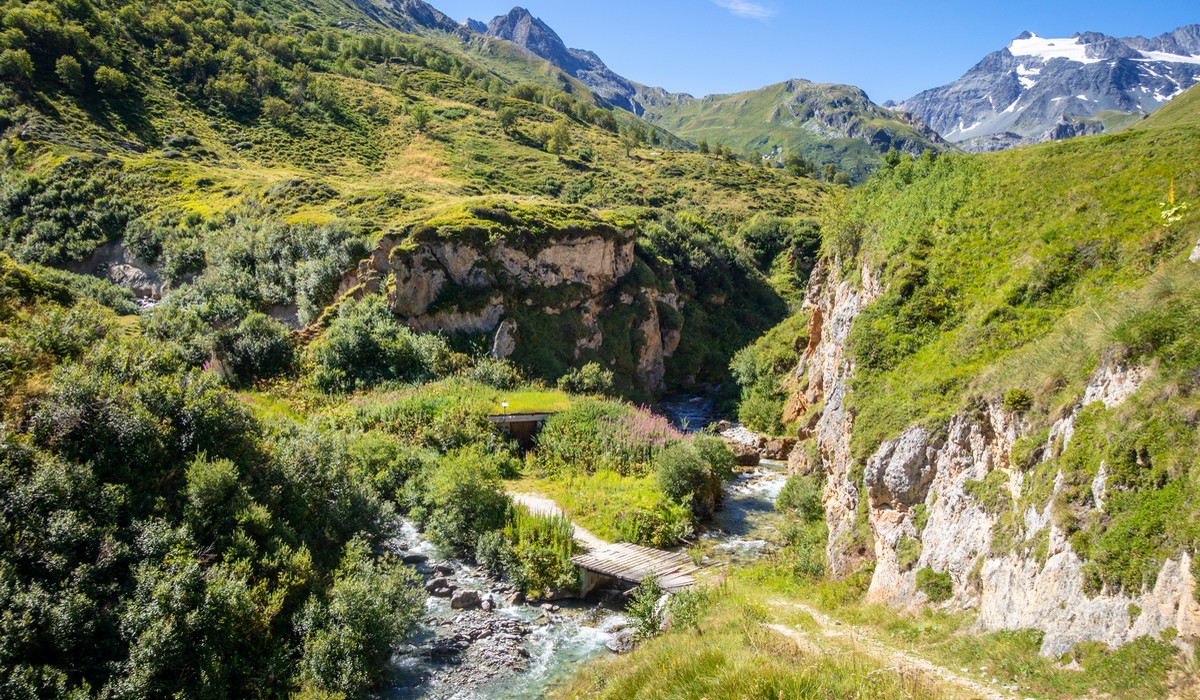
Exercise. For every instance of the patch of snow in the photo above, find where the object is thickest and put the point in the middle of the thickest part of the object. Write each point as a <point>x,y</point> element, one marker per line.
<point>1026,76</point>
<point>1164,57</point>
<point>1012,106</point>
<point>1082,97</point>
<point>1046,49</point>
<point>962,130</point>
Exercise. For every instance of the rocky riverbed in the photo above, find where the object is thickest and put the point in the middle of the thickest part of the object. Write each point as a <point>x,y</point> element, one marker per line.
<point>481,639</point>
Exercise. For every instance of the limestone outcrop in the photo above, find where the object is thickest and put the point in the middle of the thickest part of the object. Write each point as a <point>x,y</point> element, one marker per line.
<point>573,283</point>
<point>935,498</point>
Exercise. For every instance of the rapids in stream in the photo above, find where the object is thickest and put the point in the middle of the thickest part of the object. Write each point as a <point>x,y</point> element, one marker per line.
<point>517,651</point>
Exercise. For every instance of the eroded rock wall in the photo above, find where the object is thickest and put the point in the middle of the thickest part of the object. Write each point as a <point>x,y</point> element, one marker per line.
<point>926,510</point>
<point>454,286</point>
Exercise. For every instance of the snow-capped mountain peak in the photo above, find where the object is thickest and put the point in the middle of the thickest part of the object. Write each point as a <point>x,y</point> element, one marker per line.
<point>1034,46</point>
<point>1041,88</point>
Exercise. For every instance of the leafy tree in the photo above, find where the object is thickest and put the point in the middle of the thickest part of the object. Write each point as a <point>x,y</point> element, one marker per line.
<point>70,73</point>
<point>16,65</point>
<point>420,116</point>
<point>560,137</point>
<point>702,145</point>
<point>110,81</point>
<point>798,165</point>
<point>631,138</point>
<point>507,118</point>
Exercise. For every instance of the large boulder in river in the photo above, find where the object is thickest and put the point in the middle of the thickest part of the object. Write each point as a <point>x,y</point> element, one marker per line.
<point>465,599</point>
<point>743,455</point>
<point>778,448</point>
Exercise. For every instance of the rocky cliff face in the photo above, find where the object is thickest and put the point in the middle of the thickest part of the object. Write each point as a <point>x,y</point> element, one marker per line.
<point>535,36</point>
<point>921,496</point>
<point>507,291</point>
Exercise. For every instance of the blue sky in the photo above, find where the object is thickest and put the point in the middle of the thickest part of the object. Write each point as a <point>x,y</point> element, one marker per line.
<point>892,50</point>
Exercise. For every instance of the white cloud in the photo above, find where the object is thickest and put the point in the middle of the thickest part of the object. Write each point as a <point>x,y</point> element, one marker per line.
<point>746,8</point>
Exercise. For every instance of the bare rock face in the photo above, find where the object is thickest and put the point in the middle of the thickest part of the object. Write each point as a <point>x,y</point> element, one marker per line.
<point>117,263</point>
<point>899,474</point>
<point>505,340</point>
<point>926,508</point>
<point>459,285</point>
<point>823,375</point>
<point>778,448</point>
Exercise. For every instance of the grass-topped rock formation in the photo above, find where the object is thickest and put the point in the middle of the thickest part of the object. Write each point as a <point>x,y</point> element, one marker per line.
<point>999,384</point>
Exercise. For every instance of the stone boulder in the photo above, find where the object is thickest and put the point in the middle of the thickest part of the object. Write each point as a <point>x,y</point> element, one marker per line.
<point>778,448</point>
<point>743,455</point>
<point>623,642</point>
<point>465,599</point>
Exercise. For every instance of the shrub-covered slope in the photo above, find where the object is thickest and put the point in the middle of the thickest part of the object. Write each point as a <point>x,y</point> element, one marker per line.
<point>1013,408</point>
<point>247,158</point>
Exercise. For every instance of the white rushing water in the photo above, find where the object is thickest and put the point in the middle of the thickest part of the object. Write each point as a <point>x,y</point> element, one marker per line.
<point>578,632</point>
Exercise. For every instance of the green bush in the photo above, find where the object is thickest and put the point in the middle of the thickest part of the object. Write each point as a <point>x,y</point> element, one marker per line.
<point>70,73</point>
<point>499,374</point>
<point>110,81</point>
<point>802,496</point>
<point>460,498</point>
<point>537,550</point>
<point>1017,401</point>
<point>371,608</point>
<point>259,347</point>
<point>366,345</point>
<point>681,472</point>
<point>938,587</point>
<point>589,379</point>
<point>644,610</point>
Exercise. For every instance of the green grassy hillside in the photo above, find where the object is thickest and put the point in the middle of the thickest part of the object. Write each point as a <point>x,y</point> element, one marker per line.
<point>825,123</point>
<point>253,155</point>
<point>1013,276</point>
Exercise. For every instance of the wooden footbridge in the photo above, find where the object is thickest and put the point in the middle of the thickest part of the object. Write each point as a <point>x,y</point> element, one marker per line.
<point>629,563</point>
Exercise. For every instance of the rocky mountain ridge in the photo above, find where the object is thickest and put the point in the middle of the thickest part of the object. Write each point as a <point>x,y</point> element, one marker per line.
<point>794,115</point>
<point>1040,89</point>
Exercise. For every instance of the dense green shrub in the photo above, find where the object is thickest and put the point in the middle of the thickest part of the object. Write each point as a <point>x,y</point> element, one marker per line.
<point>460,498</point>
<point>644,608</point>
<point>258,347</point>
<point>498,374</point>
<point>366,345</point>
<point>371,607</point>
<point>588,379</point>
<point>937,587</point>
<point>534,551</point>
<point>691,473</point>
<point>802,497</point>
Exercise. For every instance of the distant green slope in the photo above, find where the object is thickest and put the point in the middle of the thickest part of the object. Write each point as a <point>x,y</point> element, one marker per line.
<point>825,123</point>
